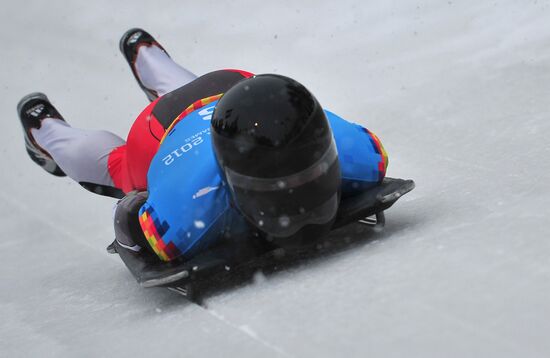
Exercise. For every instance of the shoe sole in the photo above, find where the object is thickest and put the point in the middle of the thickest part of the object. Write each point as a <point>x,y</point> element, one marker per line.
<point>30,96</point>
<point>125,37</point>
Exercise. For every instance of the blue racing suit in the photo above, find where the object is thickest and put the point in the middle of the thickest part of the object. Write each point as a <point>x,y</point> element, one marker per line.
<point>188,207</point>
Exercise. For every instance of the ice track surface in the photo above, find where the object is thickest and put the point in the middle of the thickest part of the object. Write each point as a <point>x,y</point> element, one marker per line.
<point>459,93</point>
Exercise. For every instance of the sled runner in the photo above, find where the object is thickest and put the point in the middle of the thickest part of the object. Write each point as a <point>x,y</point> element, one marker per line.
<point>237,256</point>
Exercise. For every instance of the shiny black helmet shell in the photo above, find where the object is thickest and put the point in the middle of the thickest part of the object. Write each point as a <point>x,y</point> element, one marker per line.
<point>275,148</point>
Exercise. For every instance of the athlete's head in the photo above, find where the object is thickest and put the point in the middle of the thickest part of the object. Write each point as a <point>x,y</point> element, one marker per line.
<point>275,147</point>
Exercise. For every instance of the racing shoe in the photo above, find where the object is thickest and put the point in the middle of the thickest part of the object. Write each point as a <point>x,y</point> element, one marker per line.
<point>32,110</point>
<point>129,45</point>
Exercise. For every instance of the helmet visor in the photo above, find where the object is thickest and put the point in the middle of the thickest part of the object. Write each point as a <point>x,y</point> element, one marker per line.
<point>281,206</point>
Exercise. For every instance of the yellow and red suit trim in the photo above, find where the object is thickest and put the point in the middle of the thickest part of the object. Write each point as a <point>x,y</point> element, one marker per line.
<point>153,231</point>
<point>193,107</point>
<point>383,163</point>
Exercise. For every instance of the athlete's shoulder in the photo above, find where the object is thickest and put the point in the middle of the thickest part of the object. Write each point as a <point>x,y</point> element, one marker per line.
<point>186,196</point>
<point>179,221</point>
<point>186,143</point>
<point>361,154</point>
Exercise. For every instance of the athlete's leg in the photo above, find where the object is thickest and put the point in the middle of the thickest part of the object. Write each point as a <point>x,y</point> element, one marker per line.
<point>159,72</point>
<point>156,73</point>
<point>82,154</point>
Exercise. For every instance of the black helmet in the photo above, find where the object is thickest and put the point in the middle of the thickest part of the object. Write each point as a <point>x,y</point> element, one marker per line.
<point>275,148</point>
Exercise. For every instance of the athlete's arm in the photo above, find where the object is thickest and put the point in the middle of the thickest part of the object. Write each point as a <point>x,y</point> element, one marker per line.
<point>363,160</point>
